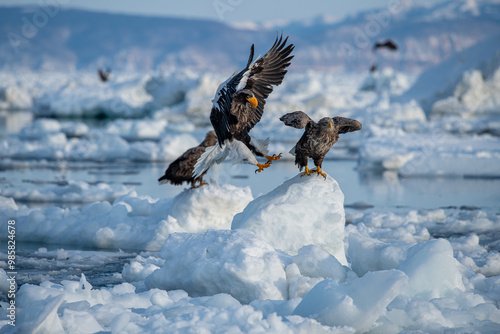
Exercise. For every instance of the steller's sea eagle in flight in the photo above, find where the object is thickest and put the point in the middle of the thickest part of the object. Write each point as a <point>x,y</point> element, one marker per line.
<point>181,170</point>
<point>388,44</point>
<point>239,104</point>
<point>318,138</point>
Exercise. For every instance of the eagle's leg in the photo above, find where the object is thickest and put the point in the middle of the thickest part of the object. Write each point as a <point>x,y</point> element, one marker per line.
<point>319,171</point>
<point>262,166</point>
<point>193,184</point>
<point>307,171</point>
<point>272,158</point>
<point>200,181</point>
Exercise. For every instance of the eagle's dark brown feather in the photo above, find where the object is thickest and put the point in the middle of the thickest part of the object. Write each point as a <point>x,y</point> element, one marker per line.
<point>181,170</point>
<point>296,119</point>
<point>266,72</point>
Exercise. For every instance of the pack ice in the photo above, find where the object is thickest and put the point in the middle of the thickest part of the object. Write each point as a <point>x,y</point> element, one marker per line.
<point>258,276</point>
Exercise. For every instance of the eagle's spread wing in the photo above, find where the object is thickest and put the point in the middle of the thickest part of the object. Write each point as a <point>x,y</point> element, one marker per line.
<point>221,117</point>
<point>266,72</point>
<point>257,77</point>
<point>296,119</point>
<point>345,125</point>
<point>389,44</point>
<point>181,170</point>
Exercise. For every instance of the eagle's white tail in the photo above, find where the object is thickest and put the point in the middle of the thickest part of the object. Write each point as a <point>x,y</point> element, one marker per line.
<point>213,154</point>
<point>241,154</point>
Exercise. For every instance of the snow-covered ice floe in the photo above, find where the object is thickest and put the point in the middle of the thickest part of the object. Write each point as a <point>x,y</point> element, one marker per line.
<point>302,211</point>
<point>448,115</point>
<point>50,139</point>
<point>431,153</point>
<point>66,192</point>
<point>396,276</point>
<point>131,221</point>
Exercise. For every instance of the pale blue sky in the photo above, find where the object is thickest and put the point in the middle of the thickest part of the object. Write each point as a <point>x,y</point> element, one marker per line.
<point>225,10</point>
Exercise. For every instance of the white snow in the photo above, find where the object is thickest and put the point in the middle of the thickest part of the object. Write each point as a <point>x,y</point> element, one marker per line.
<point>131,221</point>
<point>433,85</point>
<point>385,80</point>
<point>69,192</point>
<point>355,304</point>
<point>209,276</point>
<point>4,283</point>
<point>302,211</point>
<point>85,95</point>
<point>122,140</point>
<point>14,98</point>
<point>436,153</point>
<point>434,256</point>
<point>75,305</point>
<point>234,262</point>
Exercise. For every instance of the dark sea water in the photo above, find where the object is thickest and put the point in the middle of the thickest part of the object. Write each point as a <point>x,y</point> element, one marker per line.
<point>381,191</point>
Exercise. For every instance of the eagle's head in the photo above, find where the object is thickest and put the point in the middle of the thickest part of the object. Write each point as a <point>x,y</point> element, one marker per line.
<point>244,96</point>
<point>326,124</point>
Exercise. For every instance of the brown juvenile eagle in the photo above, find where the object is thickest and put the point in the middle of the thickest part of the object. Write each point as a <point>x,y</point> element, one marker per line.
<point>318,138</point>
<point>181,170</point>
<point>239,104</point>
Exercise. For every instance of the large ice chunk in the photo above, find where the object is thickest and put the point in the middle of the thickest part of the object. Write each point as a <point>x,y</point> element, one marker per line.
<point>132,221</point>
<point>302,211</point>
<point>358,303</point>
<point>368,254</point>
<point>221,261</point>
<point>432,270</point>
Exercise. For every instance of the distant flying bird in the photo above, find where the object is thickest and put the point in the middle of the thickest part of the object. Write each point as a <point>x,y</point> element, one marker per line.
<point>318,138</point>
<point>388,44</point>
<point>104,76</point>
<point>239,104</point>
<point>181,170</point>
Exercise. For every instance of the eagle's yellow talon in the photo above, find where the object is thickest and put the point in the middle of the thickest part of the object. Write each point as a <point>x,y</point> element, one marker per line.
<point>307,171</point>
<point>272,158</point>
<point>194,186</point>
<point>262,166</point>
<point>319,171</point>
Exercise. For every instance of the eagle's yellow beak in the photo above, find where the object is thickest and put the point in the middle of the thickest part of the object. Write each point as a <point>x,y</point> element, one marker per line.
<point>330,124</point>
<point>253,101</point>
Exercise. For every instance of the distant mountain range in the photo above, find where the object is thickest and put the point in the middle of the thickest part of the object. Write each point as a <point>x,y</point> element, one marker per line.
<point>49,38</point>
